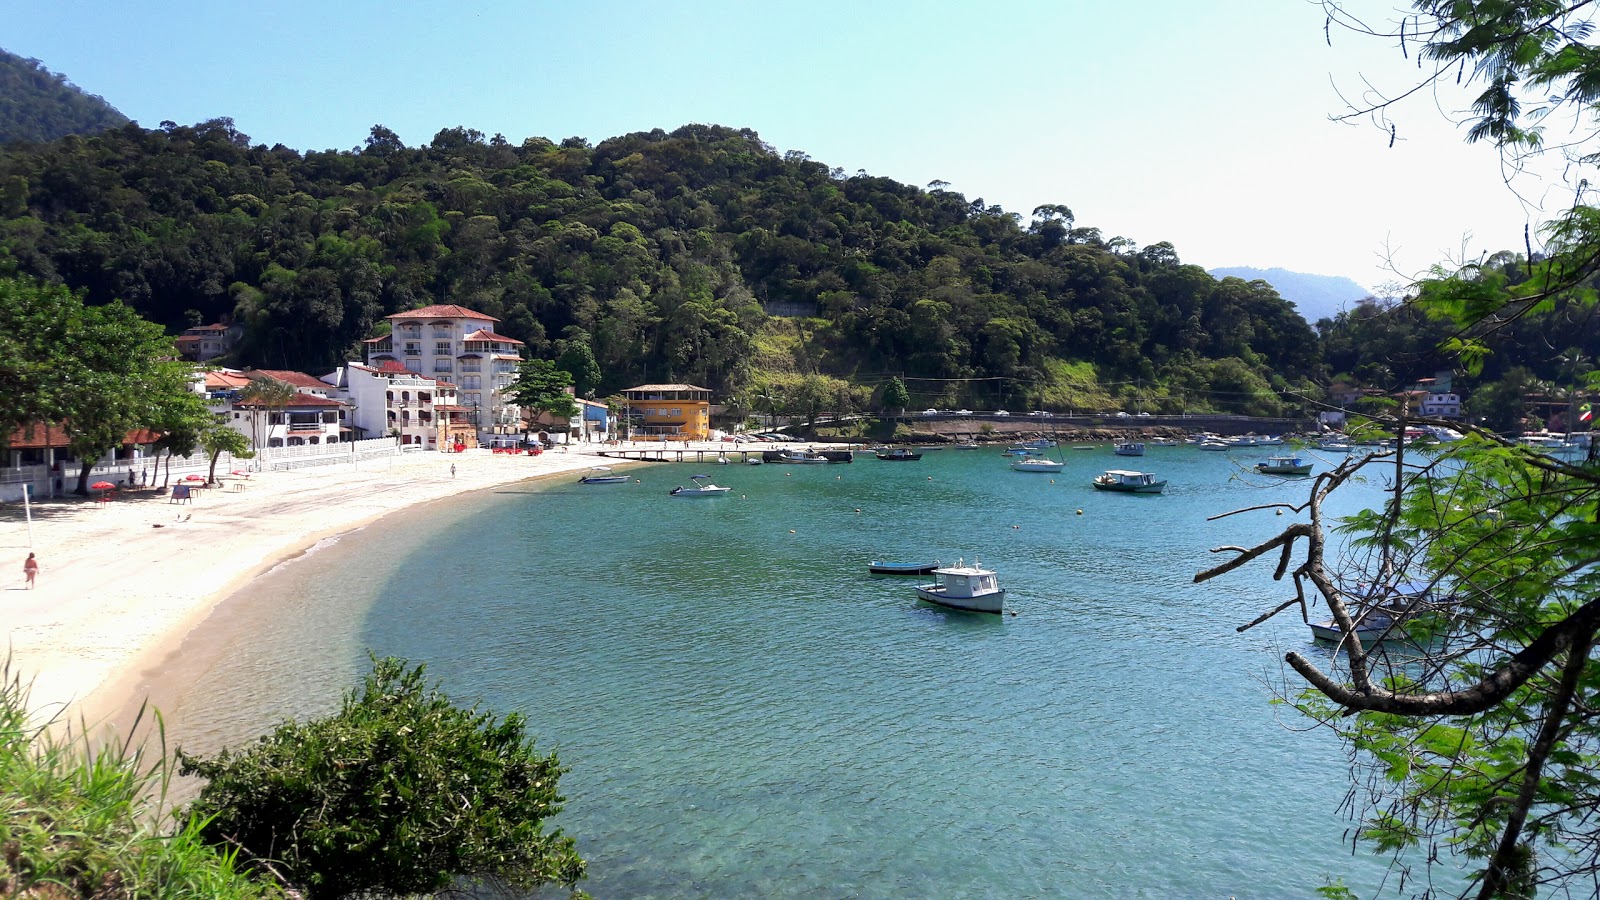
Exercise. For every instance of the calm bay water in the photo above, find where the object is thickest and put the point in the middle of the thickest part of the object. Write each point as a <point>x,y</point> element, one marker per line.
<point>747,713</point>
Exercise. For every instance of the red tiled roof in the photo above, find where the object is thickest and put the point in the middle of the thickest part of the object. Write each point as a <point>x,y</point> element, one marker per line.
<point>445,385</point>
<point>298,379</point>
<point>379,340</point>
<point>38,437</point>
<point>484,334</point>
<point>391,367</point>
<point>443,311</point>
<point>300,401</point>
<point>224,380</point>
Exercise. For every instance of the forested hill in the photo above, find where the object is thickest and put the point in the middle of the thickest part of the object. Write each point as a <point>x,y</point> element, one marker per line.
<point>1315,297</point>
<point>37,104</point>
<point>666,255</point>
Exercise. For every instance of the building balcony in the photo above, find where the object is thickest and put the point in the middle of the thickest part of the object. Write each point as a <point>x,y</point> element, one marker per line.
<point>305,427</point>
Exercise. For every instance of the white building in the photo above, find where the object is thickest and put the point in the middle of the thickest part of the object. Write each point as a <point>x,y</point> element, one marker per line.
<point>1444,405</point>
<point>391,399</point>
<point>458,345</point>
<point>310,418</point>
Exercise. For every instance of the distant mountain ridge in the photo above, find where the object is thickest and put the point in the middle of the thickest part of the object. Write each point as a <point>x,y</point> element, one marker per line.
<point>1314,296</point>
<point>39,105</point>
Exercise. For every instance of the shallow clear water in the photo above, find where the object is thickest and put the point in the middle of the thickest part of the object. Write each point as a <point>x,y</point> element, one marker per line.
<point>746,712</point>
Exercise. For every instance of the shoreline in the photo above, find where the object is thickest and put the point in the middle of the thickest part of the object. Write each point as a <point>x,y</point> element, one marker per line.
<point>122,585</point>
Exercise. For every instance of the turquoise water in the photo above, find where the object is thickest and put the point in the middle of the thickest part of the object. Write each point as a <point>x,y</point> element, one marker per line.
<point>746,712</point>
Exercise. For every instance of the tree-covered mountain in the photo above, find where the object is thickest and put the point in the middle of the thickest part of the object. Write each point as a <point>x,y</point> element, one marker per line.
<point>1315,297</point>
<point>37,104</point>
<point>698,255</point>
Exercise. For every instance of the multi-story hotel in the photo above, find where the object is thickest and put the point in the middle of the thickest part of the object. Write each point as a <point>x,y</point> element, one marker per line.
<point>391,399</point>
<point>457,345</point>
<point>675,412</point>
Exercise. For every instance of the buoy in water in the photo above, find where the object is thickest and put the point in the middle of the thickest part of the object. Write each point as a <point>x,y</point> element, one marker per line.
<point>791,531</point>
<point>1080,512</point>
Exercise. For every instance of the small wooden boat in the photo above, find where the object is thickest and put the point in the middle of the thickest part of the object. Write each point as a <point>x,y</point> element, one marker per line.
<point>899,454</point>
<point>1284,465</point>
<point>702,488</point>
<point>1129,448</point>
<point>878,567</point>
<point>1128,482</point>
<point>970,588</point>
<point>1036,465</point>
<point>603,475</point>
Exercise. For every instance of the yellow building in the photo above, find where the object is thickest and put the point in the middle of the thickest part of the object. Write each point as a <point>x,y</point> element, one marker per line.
<point>674,412</point>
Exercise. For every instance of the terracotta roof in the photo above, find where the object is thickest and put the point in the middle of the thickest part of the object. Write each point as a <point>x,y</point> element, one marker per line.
<point>390,366</point>
<point>225,380</point>
<point>378,340</point>
<point>38,437</point>
<point>208,328</point>
<point>300,401</point>
<point>484,334</point>
<point>298,379</point>
<point>443,311</point>
<point>445,385</point>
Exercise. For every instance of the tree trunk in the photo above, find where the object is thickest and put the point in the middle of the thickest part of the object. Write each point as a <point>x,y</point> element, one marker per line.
<point>211,476</point>
<point>82,489</point>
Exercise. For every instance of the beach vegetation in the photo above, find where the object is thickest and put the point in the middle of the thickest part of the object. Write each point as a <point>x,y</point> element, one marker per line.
<point>541,385</point>
<point>219,439</point>
<point>270,396</point>
<point>1475,747</point>
<point>400,792</point>
<point>82,818</point>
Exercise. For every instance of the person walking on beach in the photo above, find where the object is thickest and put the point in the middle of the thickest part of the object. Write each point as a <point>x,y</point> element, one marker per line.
<point>30,569</point>
<point>452,470</point>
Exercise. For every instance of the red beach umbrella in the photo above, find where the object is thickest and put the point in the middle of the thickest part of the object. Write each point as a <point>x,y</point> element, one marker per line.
<point>194,478</point>
<point>239,472</point>
<point>101,486</point>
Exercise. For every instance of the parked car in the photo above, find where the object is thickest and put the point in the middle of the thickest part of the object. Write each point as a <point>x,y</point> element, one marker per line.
<point>1038,412</point>
<point>930,412</point>
<point>963,412</point>
<point>1144,415</point>
<point>1121,414</point>
<point>1001,412</point>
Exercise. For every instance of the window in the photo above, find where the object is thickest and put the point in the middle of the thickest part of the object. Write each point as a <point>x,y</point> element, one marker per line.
<point>677,411</point>
<point>413,347</point>
<point>441,348</point>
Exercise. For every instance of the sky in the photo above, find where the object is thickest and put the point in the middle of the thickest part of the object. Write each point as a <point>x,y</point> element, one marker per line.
<point>1205,124</point>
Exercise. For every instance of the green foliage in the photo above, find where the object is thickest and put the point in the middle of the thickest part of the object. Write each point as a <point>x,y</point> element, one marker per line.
<point>40,105</point>
<point>400,792</point>
<point>895,396</point>
<point>541,386</point>
<point>80,820</point>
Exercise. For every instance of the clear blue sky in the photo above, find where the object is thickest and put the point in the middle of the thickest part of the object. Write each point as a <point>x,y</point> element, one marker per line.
<point>1204,124</point>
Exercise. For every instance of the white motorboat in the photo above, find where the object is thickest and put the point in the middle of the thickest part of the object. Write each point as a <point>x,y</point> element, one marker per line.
<point>1284,465</point>
<point>1127,482</point>
<point>1334,446</point>
<point>702,488</point>
<point>1214,445</point>
<point>753,460</point>
<point>603,475</point>
<point>803,457</point>
<point>1382,617</point>
<point>970,588</point>
<point>1129,448</point>
<point>1034,464</point>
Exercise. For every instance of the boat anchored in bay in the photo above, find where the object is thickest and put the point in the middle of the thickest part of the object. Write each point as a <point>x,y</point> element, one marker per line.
<point>967,588</point>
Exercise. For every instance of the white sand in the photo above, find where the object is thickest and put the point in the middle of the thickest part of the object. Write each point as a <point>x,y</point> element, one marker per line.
<point>116,595</point>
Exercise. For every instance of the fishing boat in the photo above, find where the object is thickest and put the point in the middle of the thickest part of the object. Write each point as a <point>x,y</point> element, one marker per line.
<point>702,488</point>
<point>1129,482</point>
<point>965,445</point>
<point>1129,448</point>
<point>1284,465</point>
<point>1214,445</point>
<point>1384,616</point>
<point>603,475</point>
<point>1016,451</point>
<point>802,457</point>
<point>879,567</point>
<point>899,454</point>
<point>1034,464</point>
<point>970,588</point>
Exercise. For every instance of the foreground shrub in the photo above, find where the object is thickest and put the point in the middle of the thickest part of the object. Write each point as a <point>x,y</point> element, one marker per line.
<point>79,820</point>
<point>401,792</point>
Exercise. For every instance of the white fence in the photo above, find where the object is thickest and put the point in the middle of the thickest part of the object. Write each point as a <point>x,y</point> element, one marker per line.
<point>281,458</point>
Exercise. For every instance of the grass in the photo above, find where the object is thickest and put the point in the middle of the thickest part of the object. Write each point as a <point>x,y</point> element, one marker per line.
<point>79,819</point>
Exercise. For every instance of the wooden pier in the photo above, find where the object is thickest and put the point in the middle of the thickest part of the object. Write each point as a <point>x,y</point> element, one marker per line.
<point>680,454</point>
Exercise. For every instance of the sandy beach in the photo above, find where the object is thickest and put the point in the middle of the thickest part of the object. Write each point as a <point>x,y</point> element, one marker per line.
<point>121,584</point>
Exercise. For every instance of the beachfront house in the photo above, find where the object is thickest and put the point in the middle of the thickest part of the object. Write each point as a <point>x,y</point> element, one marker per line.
<point>673,412</point>
<point>309,418</point>
<point>204,342</point>
<point>389,399</point>
<point>38,456</point>
<point>459,345</point>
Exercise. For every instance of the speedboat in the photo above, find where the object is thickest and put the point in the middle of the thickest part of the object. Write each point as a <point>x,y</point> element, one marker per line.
<point>1036,465</point>
<point>1214,445</point>
<point>1130,448</point>
<point>1128,482</point>
<point>1334,446</point>
<point>702,488</point>
<point>878,567</point>
<point>802,457</point>
<point>899,454</point>
<point>1382,617</point>
<point>971,588</point>
<point>1284,465</point>
<point>603,475</point>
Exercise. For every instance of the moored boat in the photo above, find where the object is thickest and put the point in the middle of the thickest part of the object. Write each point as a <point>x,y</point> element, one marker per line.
<point>1129,448</point>
<point>1284,465</point>
<point>603,475</point>
<point>1036,465</point>
<point>1129,482</point>
<point>702,488</point>
<point>802,457</point>
<point>899,454</point>
<point>970,588</point>
<point>1384,617</point>
<point>1214,445</point>
<point>879,567</point>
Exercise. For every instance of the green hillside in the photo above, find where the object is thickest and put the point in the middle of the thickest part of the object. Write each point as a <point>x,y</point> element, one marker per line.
<point>37,104</point>
<point>698,255</point>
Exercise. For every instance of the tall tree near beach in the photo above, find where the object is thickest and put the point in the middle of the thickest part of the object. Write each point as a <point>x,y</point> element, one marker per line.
<point>1483,751</point>
<point>541,386</point>
<point>268,396</point>
<point>181,420</point>
<point>219,439</point>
